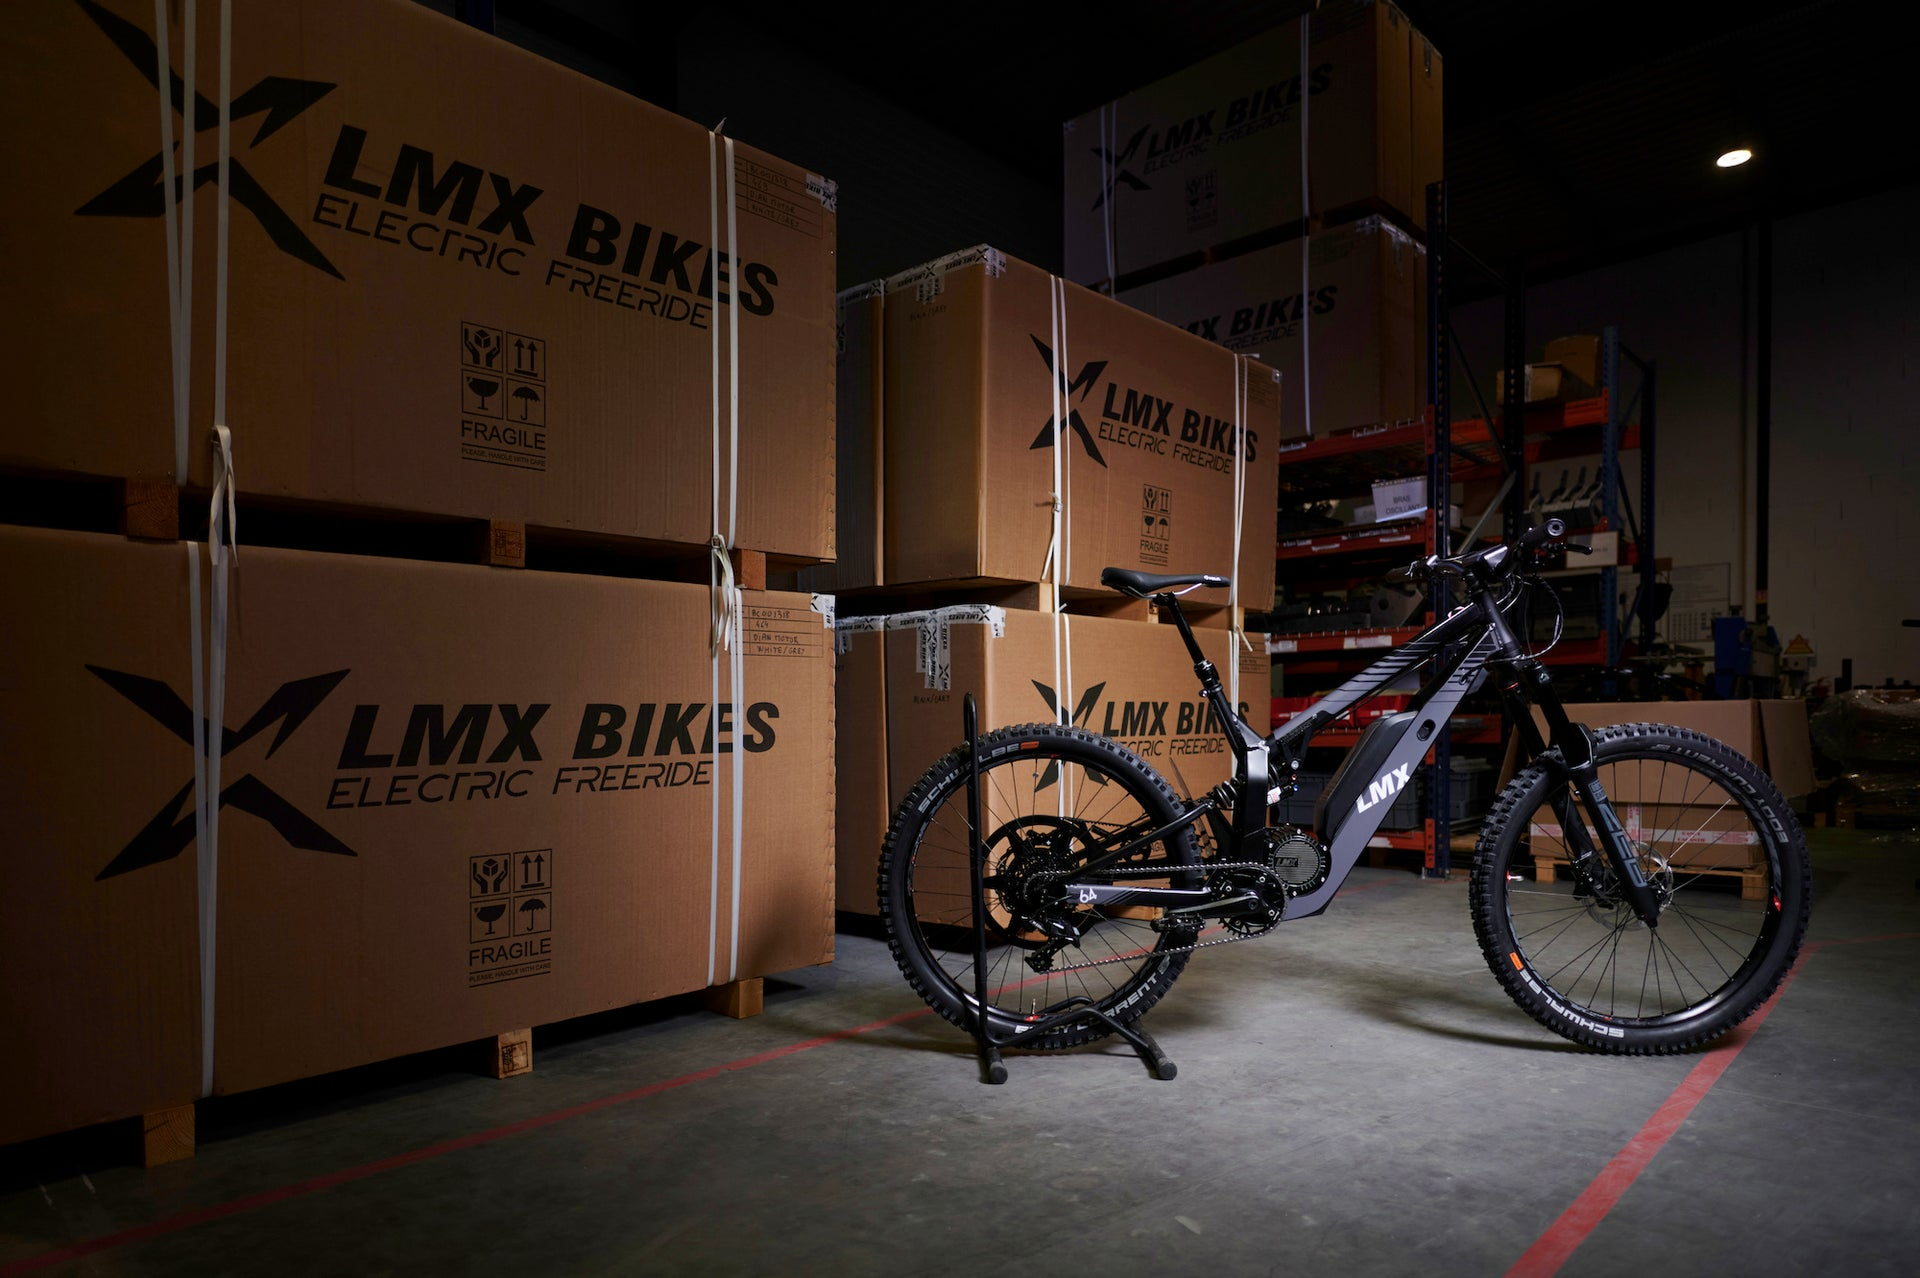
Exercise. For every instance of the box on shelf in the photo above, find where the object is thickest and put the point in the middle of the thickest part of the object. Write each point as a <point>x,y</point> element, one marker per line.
<point>1359,315</point>
<point>1396,498</point>
<point>1543,382</point>
<point>1130,680</point>
<point>1211,154</point>
<point>1149,449</point>
<point>453,801</point>
<point>1579,355</point>
<point>445,295</point>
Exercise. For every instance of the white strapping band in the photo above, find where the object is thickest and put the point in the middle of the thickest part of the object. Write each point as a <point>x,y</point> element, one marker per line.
<point>1306,310</point>
<point>725,590</point>
<point>1242,374</point>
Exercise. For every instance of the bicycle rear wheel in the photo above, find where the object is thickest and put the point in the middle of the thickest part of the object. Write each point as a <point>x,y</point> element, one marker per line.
<point>1725,856</point>
<point>1050,796</point>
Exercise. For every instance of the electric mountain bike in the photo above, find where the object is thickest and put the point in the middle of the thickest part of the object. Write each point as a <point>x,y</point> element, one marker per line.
<point>1689,888</point>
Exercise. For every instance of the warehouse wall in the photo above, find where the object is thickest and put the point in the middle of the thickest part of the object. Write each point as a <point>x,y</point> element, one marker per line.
<point>1846,434</point>
<point>908,192</point>
<point>1846,417</point>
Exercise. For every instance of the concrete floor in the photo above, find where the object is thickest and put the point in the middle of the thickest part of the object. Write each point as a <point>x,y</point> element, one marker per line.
<point>1355,1096</point>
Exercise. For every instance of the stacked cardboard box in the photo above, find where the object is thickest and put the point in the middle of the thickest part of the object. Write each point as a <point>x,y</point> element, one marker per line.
<point>997,374</point>
<point>904,678</point>
<point>462,281</point>
<point>1209,157</point>
<point>440,802</point>
<point>450,801</point>
<point>1343,322</point>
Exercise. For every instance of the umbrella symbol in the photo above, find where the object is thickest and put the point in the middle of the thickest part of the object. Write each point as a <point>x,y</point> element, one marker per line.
<point>532,909</point>
<point>526,395</point>
<point>488,913</point>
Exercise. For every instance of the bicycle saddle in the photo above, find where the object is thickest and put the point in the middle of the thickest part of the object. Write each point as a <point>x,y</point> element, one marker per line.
<point>1142,584</point>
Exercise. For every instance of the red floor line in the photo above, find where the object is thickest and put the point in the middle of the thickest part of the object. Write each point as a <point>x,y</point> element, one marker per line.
<point>299,1189</point>
<point>1564,1236</point>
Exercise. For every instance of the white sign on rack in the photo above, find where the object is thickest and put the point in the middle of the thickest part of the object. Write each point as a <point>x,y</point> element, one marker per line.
<point>1701,592</point>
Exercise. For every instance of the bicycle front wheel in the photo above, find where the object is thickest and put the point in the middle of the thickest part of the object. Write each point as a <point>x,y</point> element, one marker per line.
<point>1052,798</point>
<point>1725,856</point>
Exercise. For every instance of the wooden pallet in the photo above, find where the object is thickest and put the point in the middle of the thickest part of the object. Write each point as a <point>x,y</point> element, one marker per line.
<point>1753,879</point>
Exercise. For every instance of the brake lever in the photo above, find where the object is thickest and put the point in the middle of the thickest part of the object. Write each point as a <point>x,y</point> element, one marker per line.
<point>1577,548</point>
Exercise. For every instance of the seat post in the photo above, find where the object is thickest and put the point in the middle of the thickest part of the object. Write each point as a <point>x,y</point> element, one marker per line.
<point>1209,678</point>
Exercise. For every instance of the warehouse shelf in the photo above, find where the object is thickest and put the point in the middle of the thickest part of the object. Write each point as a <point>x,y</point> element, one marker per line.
<point>1497,444</point>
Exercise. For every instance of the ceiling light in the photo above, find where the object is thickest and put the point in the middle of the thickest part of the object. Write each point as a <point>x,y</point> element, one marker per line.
<point>1733,158</point>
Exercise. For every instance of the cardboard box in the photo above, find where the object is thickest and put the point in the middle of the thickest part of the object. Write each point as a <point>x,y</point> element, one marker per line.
<point>1360,310</point>
<point>1153,436</point>
<point>1129,680</point>
<point>1579,355</point>
<point>1394,498</point>
<point>463,280</point>
<point>1699,836</point>
<point>1426,95</point>
<point>1543,382</point>
<point>453,801</point>
<point>1771,733</point>
<point>102,985</point>
<point>864,799</point>
<point>1211,154</point>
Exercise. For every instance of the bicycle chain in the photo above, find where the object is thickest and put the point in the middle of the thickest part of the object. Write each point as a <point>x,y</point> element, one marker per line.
<point>1161,871</point>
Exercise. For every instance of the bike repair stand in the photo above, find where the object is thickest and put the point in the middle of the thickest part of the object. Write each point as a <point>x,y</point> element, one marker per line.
<point>1077,1008</point>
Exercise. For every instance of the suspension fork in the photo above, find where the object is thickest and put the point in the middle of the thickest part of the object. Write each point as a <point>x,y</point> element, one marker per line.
<point>1527,683</point>
<point>1531,683</point>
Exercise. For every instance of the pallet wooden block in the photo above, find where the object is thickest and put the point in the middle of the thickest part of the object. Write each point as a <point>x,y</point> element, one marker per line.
<point>166,1135</point>
<point>150,509</point>
<point>749,569</point>
<point>738,999</point>
<point>512,1054</point>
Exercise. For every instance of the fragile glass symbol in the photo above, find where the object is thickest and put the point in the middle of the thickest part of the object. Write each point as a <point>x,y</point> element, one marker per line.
<point>483,387</point>
<point>488,913</point>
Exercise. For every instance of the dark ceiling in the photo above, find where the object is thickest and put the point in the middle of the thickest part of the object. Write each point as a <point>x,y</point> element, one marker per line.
<point>1577,132</point>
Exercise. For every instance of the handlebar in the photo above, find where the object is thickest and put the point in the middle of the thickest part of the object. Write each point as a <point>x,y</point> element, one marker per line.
<point>1495,563</point>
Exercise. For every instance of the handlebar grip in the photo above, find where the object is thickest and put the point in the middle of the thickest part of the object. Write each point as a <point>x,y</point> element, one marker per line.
<point>1552,530</point>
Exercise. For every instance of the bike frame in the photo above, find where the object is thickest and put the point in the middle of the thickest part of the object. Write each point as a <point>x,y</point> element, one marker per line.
<point>1462,648</point>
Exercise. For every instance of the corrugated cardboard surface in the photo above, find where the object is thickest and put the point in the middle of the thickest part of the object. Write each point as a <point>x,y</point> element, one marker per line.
<point>1128,680</point>
<point>1358,314</point>
<point>464,281</point>
<point>863,801</point>
<point>1148,450</point>
<point>1211,154</point>
<point>455,801</point>
<point>102,982</point>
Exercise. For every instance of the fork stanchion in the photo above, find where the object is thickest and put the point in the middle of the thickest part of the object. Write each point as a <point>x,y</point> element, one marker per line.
<point>992,1068</point>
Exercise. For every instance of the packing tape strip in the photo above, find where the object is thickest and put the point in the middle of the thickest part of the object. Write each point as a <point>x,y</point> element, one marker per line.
<point>845,628</point>
<point>928,280</point>
<point>933,636</point>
